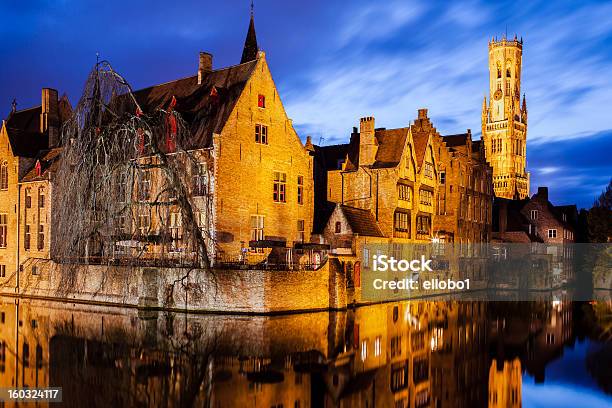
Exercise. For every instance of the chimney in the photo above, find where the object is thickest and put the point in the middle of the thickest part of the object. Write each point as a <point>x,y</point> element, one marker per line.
<point>367,141</point>
<point>205,65</point>
<point>543,193</point>
<point>309,146</point>
<point>49,116</point>
<point>423,113</point>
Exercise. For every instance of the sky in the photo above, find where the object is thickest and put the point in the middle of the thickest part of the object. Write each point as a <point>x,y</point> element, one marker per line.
<point>337,61</point>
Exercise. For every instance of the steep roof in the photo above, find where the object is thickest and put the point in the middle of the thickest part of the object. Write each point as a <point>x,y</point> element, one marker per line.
<point>49,164</point>
<point>391,144</point>
<point>23,129</point>
<point>421,140</point>
<point>205,107</point>
<point>361,221</point>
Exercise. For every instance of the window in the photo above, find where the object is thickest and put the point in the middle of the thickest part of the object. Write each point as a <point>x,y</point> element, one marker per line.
<point>41,237</point>
<point>261,134</point>
<point>257,227</point>
<point>4,176</point>
<point>300,228</point>
<point>41,197</point>
<point>533,214</point>
<point>26,355</point>
<point>280,187</point>
<point>396,342</point>
<point>508,74</point>
<point>364,349</point>
<point>552,233</point>
<point>26,238</point>
<point>420,370</point>
<point>425,197</point>
<point>144,221</point>
<point>399,377</point>
<point>507,88</point>
<point>176,223</point>
<point>300,190</point>
<point>200,180</point>
<point>144,185</point>
<point>404,192</point>
<point>423,225</point>
<point>428,170</point>
<point>564,217</point>
<point>261,101</point>
<point>28,198</point>
<point>3,230</point>
<point>377,346</point>
<point>442,177</point>
<point>338,229</point>
<point>35,271</point>
<point>401,224</point>
<point>2,271</point>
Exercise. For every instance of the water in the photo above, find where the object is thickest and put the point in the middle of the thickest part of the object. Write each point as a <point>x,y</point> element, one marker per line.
<point>406,354</point>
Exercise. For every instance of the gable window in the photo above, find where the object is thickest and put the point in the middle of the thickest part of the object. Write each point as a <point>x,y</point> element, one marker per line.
<point>428,171</point>
<point>261,101</point>
<point>300,228</point>
<point>4,176</point>
<point>401,224</point>
<point>257,227</point>
<point>199,179</point>
<point>3,230</point>
<point>261,134</point>
<point>338,229</point>
<point>552,233</point>
<point>533,214</point>
<point>280,187</point>
<point>300,190</point>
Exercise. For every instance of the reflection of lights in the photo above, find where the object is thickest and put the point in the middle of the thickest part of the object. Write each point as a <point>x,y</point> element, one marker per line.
<point>437,339</point>
<point>556,304</point>
<point>435,240</point>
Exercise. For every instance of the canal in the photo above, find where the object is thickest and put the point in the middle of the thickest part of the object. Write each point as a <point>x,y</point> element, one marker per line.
<point>405,354</point>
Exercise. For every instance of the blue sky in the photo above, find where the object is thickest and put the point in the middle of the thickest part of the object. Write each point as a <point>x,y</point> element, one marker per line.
<point>337,61</point>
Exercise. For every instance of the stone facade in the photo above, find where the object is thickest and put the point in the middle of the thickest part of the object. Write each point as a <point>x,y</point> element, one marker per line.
<point>504,120</point>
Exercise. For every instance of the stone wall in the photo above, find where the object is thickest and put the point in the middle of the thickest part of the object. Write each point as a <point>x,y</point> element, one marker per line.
<point>227,291</point>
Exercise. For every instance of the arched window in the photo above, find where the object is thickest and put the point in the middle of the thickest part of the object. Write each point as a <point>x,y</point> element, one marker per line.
<point>508,74</point>
<point>4,176</point>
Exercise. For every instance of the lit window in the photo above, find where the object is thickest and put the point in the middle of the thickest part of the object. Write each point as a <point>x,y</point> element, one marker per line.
<point>377,346</point>
<point>280,187</point>
<point>364,349</point>
<point>261,134</point>
<point>261,101</point>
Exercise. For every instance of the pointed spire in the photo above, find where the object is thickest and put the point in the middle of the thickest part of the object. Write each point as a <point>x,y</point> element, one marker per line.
<point>524,103</point>
<point>249,53</point>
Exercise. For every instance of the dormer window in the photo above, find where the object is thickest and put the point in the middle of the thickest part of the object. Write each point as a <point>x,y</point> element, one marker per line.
<point>261,101</point>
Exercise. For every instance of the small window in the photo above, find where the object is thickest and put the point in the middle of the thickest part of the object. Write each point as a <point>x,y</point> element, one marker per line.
<point>442,177</point>
<point>338,227</point>
<point>279,193</point>
<point>257,227</point>
<point>300,228</point>
<point>508,74</point>
<point>534,214</point>
<point>4,176</point>
<point>41,197</point>
<point>26,238</point>
<point>2,271</point>
<point>3,230</point>
<point>552,233</point>
<point>35,270</point>
<point>28,198</point>
<point>300,189</point>
<point>261,101</point>
<point>261,134</point>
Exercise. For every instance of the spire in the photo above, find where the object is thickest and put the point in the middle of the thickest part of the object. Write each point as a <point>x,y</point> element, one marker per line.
<point>249,53</point>
<point>524,104</point>
<point>14,105</point>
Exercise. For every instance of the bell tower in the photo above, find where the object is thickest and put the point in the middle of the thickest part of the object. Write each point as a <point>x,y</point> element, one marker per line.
<point>504,120</point>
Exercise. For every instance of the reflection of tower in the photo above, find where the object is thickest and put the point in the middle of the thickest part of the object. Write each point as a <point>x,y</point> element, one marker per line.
<point>504,120</point>
<point>505,384</point>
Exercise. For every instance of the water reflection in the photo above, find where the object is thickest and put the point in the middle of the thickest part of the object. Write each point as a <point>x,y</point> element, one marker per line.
<point>406,354</point>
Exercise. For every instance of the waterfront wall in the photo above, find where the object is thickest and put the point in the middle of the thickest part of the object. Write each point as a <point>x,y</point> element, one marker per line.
<point>231,291</point>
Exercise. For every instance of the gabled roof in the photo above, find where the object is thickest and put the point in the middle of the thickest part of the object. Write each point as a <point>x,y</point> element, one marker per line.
<point>391,144</point>
<point>361,221</point>
<point>421,140</point>
<point>205,110</point>
<point>23,128</point>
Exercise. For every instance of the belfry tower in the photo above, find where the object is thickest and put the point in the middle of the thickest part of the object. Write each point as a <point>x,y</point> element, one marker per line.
<point>504,120</point>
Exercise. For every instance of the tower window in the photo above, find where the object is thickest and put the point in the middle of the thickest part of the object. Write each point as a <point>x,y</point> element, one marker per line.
<point>508,74</point>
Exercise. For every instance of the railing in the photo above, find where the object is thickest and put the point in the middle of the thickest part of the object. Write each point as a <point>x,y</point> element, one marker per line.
<point>225,262</point>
